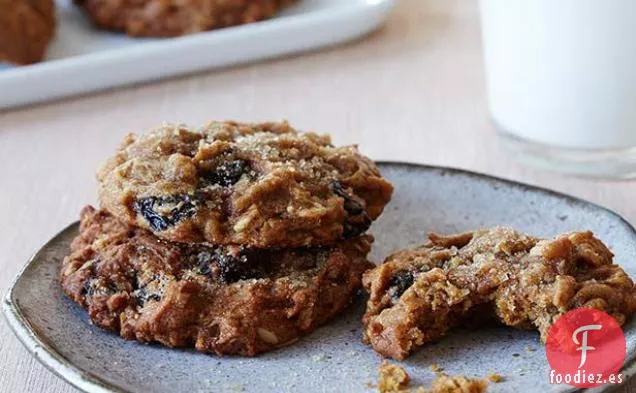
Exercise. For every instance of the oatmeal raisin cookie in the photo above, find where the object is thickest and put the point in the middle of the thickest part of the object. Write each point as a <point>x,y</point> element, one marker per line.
<point>224,300</point>
<point>164,18</point>
<point>26,28</point>
<point>262,185</point>
<point>500,274</point>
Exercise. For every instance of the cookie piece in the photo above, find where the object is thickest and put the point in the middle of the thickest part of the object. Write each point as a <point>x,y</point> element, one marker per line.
<point>395,379</point>
<point>392,378</point>
<point>262,185</point>
<point>496,274</point>
<point>26,28</point>
<point>445,383</point>
<point>165,18</point>
<point>226,300</point>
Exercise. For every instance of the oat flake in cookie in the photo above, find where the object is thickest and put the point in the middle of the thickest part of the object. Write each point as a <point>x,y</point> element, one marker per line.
<point>259,185</point>
<point>499,275</point>
<point>163,18</point>
<point>224,300</point>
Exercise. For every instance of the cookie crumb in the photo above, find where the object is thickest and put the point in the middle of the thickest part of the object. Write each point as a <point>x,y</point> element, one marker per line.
<point>392,378</point>
<point>319,358</point>
<point>496,378</point>
<point>456,384</point>
<point>436,368</point>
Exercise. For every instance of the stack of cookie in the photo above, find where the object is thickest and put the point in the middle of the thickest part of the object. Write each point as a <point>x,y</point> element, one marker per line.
<point>234,238</point>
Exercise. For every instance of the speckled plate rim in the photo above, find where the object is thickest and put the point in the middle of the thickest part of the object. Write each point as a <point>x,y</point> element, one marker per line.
<point>91,383</point>
<point>39,348</point>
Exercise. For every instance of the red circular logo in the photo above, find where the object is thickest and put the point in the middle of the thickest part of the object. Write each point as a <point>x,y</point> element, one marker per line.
<point>585,348</point>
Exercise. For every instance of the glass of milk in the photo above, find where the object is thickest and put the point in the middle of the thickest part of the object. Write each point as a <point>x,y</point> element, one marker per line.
<point>561,82</point>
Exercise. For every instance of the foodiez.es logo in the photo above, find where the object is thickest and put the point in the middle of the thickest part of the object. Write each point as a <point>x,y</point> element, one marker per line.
<point>585,348</point>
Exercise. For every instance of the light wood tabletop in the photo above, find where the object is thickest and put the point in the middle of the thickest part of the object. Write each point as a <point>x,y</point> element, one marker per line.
<point>413,91</point>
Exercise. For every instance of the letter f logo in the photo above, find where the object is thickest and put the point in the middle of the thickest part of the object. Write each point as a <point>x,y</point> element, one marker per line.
<point>584,347</point>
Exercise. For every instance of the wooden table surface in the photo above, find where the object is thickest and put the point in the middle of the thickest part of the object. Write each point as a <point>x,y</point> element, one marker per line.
<point>413,91</point>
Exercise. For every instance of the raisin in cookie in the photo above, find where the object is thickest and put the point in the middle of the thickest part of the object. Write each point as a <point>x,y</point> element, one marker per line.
<point>225,300</point>
<point>161,18</point>
<point>497,274</point>
<point>26,28</point>
<point>262,185</point>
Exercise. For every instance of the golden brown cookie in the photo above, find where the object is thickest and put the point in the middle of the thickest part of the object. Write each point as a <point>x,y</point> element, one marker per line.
<point>496,274</point>
<point>26,28</point>
<point>162,18</point>
<point>262,185</point>
<point>224,300</point>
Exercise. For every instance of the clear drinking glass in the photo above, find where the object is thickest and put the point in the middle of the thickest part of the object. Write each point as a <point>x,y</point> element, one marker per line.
<point>561,82</point>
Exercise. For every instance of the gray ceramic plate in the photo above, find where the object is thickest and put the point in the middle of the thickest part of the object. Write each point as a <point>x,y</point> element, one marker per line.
<point>332,359</point>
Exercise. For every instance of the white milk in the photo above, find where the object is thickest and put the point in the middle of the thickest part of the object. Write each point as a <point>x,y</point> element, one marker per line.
<point>562,72</point>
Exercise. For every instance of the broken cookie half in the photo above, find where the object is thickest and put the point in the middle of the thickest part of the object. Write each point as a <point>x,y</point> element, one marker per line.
<point>497,274</point>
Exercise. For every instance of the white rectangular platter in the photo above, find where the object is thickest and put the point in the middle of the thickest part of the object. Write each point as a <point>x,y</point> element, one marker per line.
<point>83,59</point>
